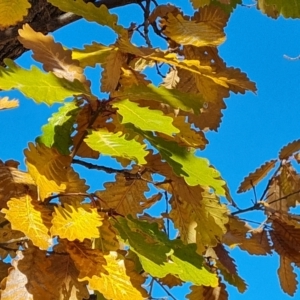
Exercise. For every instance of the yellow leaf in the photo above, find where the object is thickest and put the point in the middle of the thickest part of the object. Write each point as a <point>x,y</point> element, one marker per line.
<point>31,218</point>
<point>88,261</point>
<point>287,276</point>
<point>254,178</point>
<point>112,70</point>
<point>12,12</point>
<point>52,55</point>
<point>52,171</point>
<point>75,222</point>
<point>5,103</point>
<point>14,183</point>
<point>193,32</point>
<point>120,282</point>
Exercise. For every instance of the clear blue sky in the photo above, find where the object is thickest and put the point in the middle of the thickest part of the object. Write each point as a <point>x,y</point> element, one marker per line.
<point>253,129</point>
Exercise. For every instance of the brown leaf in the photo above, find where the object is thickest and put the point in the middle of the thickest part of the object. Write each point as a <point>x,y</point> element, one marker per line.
<point>287,276</point>
<point>225,259</point>
<point>52,55</point>
<point>171,281</point>
<point>289,149</point>
<point>208,293</point>
<point>254,178</point>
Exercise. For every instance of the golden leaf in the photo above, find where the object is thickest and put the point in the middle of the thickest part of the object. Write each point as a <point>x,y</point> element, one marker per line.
<point>5,103</point>
<point>52,171</point>
<point>192,32</point>
<point>14,183</point>
<point>88,261</point>
<point>254,178</point>
<point>287,276</point>
<point>289,149</point>
<point>208,293</point>
<point>52,55</point>
<point>65,278</point>
<point>125,196</point>
<point>274,193</point>
<point>120,282</point>
<point>31,218</point>
<point>112,71</point>
<point>75,222</point>
<point>12,12</point>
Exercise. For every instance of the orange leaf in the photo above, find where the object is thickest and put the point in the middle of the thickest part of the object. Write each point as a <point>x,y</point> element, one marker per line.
<point>287,276</point>
<point>289,149</point>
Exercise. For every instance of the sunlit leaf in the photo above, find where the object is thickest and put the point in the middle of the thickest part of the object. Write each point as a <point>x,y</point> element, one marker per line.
<point>289,149</point>
<point>6,103</point>
<point>116,145</point>
<point>12,12</point>
<point>29,217</point>
<point>287,276</point>
<point>160,256</point>
<point>35,84</point>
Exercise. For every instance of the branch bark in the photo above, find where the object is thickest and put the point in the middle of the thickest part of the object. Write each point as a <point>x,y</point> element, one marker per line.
<point>44,17</point>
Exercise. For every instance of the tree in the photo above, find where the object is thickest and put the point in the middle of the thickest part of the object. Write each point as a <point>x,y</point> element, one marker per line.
<point>64,238</point>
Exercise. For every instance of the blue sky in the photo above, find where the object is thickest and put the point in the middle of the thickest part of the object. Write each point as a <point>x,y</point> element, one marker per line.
<point>253,129</point>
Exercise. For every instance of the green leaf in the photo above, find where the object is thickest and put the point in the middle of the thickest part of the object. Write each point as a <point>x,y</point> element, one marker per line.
<point>145,118</point>
<point>174,98</point>
<point>116,145</point>
<point>195,170</point>
<point>160,256</point>
<point>90,12</point>
<point>57,133</point>
<point>41,87</point>
<point>274,8</point>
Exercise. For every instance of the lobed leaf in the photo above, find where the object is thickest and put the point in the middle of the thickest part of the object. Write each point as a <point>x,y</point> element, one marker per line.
<point>254,178</point>
<point>287,276</point>
<point>35,84</point>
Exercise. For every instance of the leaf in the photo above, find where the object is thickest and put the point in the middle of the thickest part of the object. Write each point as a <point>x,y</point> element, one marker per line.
<point>160,256</point>
<point>120,282</point>
<point>32,219</point>
<point>14,183</point>
<point>170,281</point>
<point>57,132</point>
<point>52,55</point>
<point>287,276</point>
<point>254,178</point>
<point>208,293</point>
<point>4,269</point>
<point>52,171</point>
<point>11,238</point>
<point>289,149</point>
<point>195,170</point>
<point>125,195</point>
<point>37,85</point>
<point>12,12</point>
<point>90,12</point>
<point>88,262</point>
<point>5,103</point>
<point>116,145</point>
<point>112,70</point>
<point>204,29</point>
<point>91,54</point>
<point>174,98</point>
<point>66,278</point>
<point>274,8</point>
<point>75,222</point>
<point>145,118</point>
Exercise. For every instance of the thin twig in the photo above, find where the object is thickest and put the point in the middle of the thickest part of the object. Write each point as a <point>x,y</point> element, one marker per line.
<point>269,183</point>
<point>167,212</point>
<point>284,197</point>
<point>256,206</point>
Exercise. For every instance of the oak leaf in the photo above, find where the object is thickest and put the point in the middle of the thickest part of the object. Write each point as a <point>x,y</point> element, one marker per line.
<point>52,55</point>
<point>289,149</point>
<point>287,276</point>
<point>52,171</point>
<point>12,12</point>
<point>254,178</point>
<point>39,86</point>
<point>31,218</point>
<point>75,222</point>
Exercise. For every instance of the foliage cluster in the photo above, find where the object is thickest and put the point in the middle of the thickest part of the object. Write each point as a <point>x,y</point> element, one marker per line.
<point>65,240</point>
